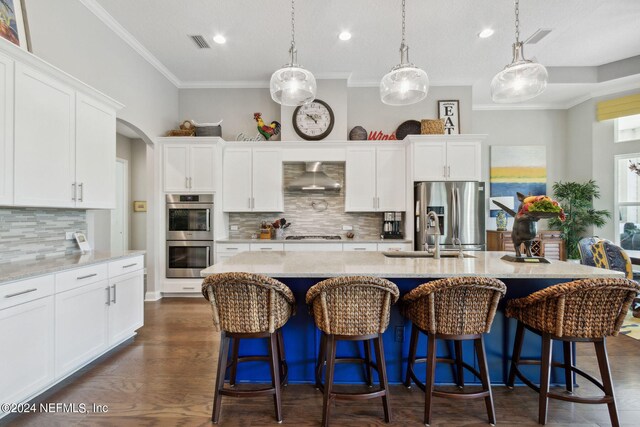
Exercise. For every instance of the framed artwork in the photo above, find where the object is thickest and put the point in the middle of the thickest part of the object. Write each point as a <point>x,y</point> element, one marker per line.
<point>13,23</point>
<point>140,206</point>
<point>449,111</point>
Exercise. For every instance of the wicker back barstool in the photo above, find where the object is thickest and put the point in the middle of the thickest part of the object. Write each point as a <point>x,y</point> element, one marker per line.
<point>458,309</point>
<point>248,305</point>
<point>582,310</point>
<point>355,308</point>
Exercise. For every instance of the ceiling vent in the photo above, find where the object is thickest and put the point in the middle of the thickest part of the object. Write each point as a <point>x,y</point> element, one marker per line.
<point>538,35</point>
<point>201,42</point>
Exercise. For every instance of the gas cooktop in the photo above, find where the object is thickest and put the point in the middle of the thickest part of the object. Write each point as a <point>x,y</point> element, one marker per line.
<point>313,238</point>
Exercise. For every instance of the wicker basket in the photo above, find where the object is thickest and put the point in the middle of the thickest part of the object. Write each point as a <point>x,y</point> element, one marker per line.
<point>432,127</point>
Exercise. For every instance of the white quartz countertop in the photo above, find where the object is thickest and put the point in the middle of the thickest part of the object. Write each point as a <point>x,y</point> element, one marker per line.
<point>12,271</point>
<point>331,264</point>
<point>345,240</point>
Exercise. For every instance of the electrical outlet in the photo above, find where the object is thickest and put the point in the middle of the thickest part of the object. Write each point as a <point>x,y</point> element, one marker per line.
<point>233,227</point>
<point>347,228</point>
<point>69,235</point>
<point>399,334</point>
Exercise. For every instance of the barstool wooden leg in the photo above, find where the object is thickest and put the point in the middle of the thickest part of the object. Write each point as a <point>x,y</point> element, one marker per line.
<point>568,364</point>
<point>284,372</point>
<point>222,368</point>
<point>459,367</point>
<point>328,379</point>
<point>607,383</point>
<point>322,355</point>
<point>484,377</point>
<point>367,359</point>
<point>517,351</point>
<point>275,374</point>
<point>234,361</point>
<point>545,373</point>
<point>413,344</point>
<point>382,374</point>
<point>431,373</point>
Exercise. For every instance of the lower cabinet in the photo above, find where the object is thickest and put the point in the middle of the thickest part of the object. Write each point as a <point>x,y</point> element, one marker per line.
<point>126,306</point>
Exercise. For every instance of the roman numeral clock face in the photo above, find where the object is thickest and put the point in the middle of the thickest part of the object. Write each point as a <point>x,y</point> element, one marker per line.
<point>313,121</point>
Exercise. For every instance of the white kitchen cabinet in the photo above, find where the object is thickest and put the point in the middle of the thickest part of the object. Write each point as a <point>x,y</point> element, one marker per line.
<point>447,160</point>
<point>95,144</point>
<point>44,168</point>
<point>81,321</point>
<point>27,355</point>
<point>6,130</point>
<point>252,180</point>
<point>375,179</point>
<point>313,247</point>
<point>189,168</point>
<point>126,306</point>
<point>227,250</point>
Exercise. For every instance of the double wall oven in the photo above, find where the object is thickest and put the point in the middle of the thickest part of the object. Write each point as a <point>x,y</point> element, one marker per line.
<point>189,234</point>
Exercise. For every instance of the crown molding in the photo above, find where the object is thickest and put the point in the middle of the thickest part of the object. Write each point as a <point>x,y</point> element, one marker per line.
<point>233,84</point>
<point>115,26</point>
<point>518,107</point>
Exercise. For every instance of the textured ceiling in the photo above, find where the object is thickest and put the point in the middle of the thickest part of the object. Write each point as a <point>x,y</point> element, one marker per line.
<point>442,35</point>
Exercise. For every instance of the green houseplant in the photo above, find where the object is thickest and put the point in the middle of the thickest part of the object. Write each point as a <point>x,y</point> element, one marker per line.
<point>577,201</point>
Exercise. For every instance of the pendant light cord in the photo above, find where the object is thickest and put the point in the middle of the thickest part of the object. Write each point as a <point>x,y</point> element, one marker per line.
<point>293,23</point>
<point>517,21</point>
<point>403,26</point>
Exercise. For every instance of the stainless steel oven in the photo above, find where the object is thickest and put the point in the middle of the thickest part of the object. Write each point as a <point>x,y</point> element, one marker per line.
<point>185,258</point>
<point>189,217</point>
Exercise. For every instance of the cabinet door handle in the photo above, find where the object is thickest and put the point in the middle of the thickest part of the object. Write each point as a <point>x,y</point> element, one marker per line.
<point>449,171</point>
<point>21,293</point>
<point>130,265</point>
<point>444,171</point>
<point>114,294</point>
<point>73,191</point>
<point>249,202</point>
<point>87,276</point>
<point>108,289</point>
<point>186,182</point>
<point>81,188</point>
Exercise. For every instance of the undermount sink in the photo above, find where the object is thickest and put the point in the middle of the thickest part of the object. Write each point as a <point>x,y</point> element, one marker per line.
<point>423,254</point>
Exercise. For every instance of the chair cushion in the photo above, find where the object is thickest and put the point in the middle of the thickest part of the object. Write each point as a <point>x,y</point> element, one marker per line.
<point>612,257</point>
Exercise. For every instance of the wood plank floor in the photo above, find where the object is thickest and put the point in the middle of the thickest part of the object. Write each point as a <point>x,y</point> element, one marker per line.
<point>165,378</point>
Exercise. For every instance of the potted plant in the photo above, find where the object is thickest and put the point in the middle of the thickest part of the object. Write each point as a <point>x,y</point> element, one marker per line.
<point>577,201</point>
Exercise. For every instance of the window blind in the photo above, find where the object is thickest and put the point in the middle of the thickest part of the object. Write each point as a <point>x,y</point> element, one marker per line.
<point>619,107</point>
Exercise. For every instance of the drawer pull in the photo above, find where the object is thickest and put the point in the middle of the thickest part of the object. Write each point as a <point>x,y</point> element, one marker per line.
<point>130,265</point>
<point>188,287</point>
<point>266,249</point>
<point>359,249</point>
<point>87,276</point>
<point>232,249</point>
<point>21,293</point>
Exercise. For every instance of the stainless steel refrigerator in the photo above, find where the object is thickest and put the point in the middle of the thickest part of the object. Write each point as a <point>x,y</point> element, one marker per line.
<point>460,210</point>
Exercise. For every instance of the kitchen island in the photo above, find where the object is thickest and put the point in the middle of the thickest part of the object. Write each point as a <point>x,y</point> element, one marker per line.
<point>300,271</point>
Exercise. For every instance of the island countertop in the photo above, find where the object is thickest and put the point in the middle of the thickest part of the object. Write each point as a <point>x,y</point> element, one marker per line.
<point>332,264</point>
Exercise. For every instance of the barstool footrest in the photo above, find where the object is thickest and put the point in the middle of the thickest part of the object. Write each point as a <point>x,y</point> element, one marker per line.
<point>248,393</point>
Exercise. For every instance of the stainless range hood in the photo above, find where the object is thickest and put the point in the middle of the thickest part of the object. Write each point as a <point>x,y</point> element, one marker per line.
<point>314,178</point>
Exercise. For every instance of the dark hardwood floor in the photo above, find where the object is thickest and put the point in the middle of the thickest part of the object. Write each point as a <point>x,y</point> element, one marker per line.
<point>166,378</point>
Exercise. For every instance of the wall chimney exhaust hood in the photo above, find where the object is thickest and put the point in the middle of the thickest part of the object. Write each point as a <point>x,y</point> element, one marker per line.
<point>314,178</point>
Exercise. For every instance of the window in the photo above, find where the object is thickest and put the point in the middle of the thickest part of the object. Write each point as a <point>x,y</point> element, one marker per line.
<point>627,128</point>
<point>628,201</point>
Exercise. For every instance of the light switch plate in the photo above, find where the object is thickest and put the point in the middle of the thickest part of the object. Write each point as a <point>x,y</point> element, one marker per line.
<point>347,228</point>
<point>233,228</point>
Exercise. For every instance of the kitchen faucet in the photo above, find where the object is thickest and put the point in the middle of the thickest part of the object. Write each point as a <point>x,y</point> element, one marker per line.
<point>432,216</point>
<point>458,242</point>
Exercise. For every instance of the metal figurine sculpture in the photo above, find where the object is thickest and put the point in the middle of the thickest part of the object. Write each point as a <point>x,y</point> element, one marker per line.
<point>525,225</point>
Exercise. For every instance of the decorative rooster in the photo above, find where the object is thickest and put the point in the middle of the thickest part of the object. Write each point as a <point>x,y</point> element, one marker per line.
<point>267,131</point>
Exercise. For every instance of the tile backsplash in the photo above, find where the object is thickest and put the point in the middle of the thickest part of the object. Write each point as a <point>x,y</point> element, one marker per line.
<point>299,210</point>
<point>32,233</point>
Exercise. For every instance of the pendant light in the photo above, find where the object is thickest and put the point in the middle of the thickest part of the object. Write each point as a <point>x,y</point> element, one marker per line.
<point>405,84</point>
<point>522,79</point>
<point>292,85</point>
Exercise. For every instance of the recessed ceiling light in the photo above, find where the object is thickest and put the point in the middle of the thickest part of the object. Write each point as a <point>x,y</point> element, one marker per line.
<point>486,33</point>
<point>344,36</point>
<point>220,39</point>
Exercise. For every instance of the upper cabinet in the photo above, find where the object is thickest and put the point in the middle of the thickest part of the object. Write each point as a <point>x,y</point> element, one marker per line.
<point>57,137</point>
<point>252,180</point>
<point>447,158</point>
<point>189,168</point>
<point>6,130</point>
<point>375,179</point>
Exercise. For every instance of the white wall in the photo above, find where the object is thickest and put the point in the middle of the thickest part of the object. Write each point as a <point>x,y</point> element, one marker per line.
<point>69,36</point>
<point>138,220</point>
<point>524,127</point>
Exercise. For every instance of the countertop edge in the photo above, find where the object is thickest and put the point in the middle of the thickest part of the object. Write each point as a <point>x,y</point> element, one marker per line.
<point>259,241</point>
<point>34,271</point>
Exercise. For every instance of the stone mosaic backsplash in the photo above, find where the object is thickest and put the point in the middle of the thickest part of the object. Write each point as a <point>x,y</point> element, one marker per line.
<point>304,218</point>
<point>34,233</point>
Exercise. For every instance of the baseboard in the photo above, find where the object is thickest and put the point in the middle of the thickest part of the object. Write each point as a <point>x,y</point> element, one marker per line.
<point>153,296</point>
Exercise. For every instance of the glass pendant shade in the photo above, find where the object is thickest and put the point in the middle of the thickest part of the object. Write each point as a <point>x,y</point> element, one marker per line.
<point>519,81</point>
<point>405,84</point>
<point>292,86</point>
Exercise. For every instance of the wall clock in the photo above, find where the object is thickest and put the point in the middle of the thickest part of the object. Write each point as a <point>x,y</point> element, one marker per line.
<point>313,121</point>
